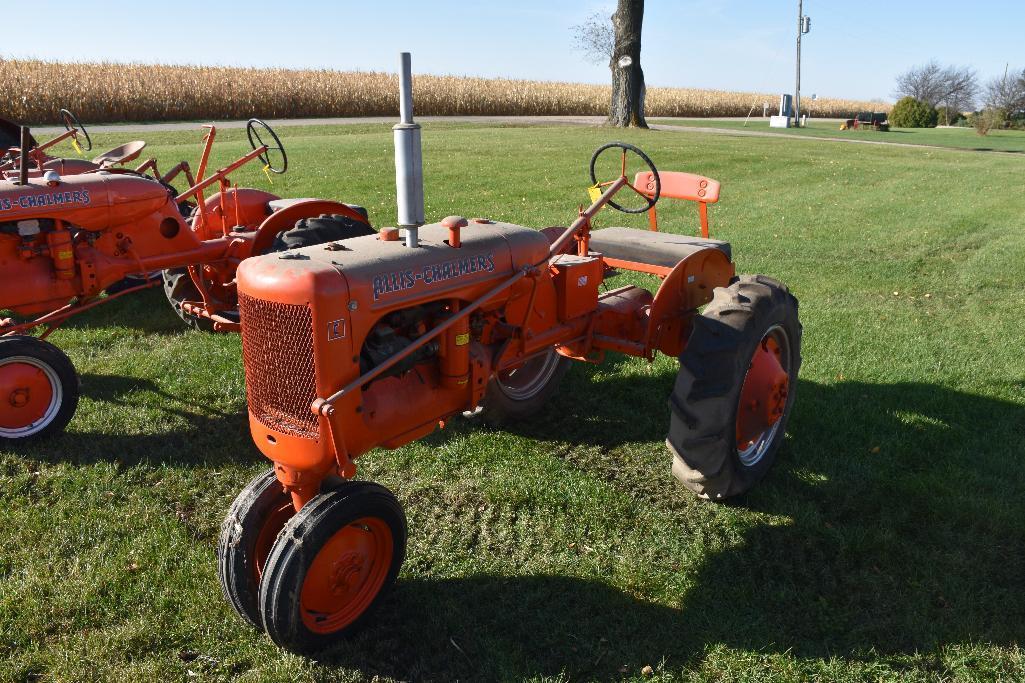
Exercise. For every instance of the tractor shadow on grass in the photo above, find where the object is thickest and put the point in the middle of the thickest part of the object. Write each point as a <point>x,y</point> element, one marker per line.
<point>898,530</point>
<point>907,504</point>
<point>146,310</point>
<point>180,435</point>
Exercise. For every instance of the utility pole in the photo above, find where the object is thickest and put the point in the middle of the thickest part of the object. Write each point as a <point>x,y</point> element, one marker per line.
<point>803,26</point>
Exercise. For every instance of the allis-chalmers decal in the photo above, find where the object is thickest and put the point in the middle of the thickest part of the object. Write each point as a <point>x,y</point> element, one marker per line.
<point>433,274</point>
<point>31,201</point>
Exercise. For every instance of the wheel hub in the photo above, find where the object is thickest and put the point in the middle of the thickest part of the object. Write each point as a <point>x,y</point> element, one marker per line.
<point>763,398</point>
<point>346,575</point>
<point>346,572</point>
<point>29,395</point>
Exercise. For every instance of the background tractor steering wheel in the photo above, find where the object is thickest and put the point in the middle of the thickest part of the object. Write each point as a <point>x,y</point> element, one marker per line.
<point>71,122</point>
<point>648,201</point>
<point>253,128</point>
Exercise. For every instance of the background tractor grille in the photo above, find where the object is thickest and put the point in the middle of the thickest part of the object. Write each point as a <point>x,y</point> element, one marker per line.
<point>277,353</point>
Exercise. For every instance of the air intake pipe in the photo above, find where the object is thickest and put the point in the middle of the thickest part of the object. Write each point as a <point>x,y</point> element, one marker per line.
<point>409,171</point>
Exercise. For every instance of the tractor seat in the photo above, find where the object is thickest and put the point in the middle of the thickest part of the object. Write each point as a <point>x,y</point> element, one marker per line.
<point>647,246</point>
<point>120,154</point>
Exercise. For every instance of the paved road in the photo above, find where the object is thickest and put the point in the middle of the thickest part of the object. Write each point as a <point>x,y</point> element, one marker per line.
<point>142,128</point>
<point>282,123</point>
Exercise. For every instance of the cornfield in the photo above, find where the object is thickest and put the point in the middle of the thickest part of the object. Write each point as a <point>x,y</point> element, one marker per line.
<point>32,91</point>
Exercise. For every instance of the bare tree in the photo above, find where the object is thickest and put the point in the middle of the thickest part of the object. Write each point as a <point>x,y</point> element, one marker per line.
<point>595,38</point>
<point>627,76</point>
<point>924,83</point>
<point>954,87</point>
<point>961,89</point>
<point>1006,92</point>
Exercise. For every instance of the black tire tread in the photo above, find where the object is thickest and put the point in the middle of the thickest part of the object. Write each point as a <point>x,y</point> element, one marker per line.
<point>178,288</point>
<point>712,370</point>
<point>239,530</point>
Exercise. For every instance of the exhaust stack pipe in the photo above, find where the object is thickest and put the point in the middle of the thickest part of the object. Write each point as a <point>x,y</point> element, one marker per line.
<point>409,171</point>
<point>26,140</point>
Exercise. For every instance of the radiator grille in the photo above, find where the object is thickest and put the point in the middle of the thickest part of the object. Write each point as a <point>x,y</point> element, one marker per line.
<point>277,353</point>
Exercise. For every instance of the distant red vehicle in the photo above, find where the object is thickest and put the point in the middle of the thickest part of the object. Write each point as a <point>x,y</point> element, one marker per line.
<point>866,119</point>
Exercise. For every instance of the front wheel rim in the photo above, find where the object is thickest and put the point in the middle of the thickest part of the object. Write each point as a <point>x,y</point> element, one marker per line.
<point>346,575</point>
<point>279,514</point>
<point>31,396</point>
<point>763,396</point>
<point>529,379</point>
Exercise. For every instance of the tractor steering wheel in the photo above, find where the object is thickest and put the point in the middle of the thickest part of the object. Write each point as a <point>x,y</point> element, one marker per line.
<point>649,202</point>
<point>71,122</point>
<point>253,132</point>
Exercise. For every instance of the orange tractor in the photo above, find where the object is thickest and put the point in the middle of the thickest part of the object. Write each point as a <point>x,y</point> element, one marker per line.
<point>40,160</point>
<point>65,239</point>
<point>378,340</point>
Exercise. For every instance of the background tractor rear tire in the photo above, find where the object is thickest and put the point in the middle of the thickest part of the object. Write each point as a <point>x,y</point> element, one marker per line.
<point>178,288</point>
<point>331,564</point>
<point>322,229</point>
<point>178,285</point>
<point>38,387</point>
<point>248,532</point>
<point>521,392</point>
<point>713,368</point>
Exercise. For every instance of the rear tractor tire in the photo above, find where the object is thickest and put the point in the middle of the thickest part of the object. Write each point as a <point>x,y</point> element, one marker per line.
<point>735,388</point>
<point>179,288</point>
<point>322,229</point>
<point>522,391</point>
<point>330,566</point>
<point>38,388</point>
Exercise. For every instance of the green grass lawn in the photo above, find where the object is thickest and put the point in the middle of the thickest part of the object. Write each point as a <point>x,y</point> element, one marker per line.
<point>887,544</point>
<point>959,138</point>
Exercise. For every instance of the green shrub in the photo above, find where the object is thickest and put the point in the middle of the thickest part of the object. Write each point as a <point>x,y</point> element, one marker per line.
<point>948,116</point>
<point>912,113</point>
<point>988,119</point>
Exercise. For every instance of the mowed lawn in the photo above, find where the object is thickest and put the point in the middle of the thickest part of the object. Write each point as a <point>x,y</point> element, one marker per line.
<point>958,138</point>
<point>888,543</point>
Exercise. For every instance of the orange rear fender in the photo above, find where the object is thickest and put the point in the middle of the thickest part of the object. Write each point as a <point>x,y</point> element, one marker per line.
<point>688,286</point>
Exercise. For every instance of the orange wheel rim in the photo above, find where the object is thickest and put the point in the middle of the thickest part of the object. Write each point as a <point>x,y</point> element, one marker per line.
<point>346,575</point>
<point>27,396</point>
<point>272,526</point>
<point>763,398</point>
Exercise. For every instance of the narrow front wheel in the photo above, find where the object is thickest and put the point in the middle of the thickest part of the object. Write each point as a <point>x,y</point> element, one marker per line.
<point>331,564</point>
<point>248,533</point>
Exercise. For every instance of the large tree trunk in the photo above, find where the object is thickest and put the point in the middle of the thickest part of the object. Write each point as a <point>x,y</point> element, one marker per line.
<point>627,75</point>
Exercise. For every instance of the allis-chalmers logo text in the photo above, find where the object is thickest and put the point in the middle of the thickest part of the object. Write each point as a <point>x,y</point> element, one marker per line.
<point>432,274</point>
<point>31,201</point>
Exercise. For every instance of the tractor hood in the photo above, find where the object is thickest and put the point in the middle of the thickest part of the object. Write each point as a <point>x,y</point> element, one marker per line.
<point>93,200</point>
<point>385,275</point>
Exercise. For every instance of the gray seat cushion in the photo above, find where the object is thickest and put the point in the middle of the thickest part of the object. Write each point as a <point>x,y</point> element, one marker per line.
<point>647,246</point>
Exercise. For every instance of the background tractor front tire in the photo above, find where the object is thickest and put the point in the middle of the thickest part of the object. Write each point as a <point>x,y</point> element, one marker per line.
<point>38,388</point>
<point>753,319</point>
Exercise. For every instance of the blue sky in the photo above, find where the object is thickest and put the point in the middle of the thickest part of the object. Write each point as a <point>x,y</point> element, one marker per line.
<point>854,49</point>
